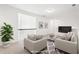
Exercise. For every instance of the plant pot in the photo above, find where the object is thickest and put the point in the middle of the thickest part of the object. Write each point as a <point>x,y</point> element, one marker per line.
<point>5,44</point>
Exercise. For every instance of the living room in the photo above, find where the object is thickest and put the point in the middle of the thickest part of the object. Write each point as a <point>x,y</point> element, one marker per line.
<point>28,20</point>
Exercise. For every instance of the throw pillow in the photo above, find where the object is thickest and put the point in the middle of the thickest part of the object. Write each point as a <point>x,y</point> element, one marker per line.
<point>39,37</point>
<point>74,38</point>
<point>32,37</point>
<point>68,36</point>
<point>61,35</point>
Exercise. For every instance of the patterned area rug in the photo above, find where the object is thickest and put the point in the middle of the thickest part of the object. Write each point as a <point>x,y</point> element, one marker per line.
<point>55,52</point>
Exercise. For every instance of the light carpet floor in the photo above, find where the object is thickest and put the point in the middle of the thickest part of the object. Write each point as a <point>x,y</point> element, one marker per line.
<point>14,48</point>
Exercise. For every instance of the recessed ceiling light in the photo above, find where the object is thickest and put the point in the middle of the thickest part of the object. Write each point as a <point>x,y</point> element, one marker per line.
<point>50,10</point>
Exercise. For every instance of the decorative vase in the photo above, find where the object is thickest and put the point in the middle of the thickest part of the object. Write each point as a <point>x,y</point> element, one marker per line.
<point>5,44</point>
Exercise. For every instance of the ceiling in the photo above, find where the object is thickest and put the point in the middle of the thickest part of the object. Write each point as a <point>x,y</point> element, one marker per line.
<point>41,9</point>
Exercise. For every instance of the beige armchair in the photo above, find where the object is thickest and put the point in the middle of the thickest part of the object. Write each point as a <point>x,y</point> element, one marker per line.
<point>67,46</point>
<point>35,46</point>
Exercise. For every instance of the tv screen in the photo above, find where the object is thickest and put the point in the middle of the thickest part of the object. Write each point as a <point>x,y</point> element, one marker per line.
<point>64,29</point>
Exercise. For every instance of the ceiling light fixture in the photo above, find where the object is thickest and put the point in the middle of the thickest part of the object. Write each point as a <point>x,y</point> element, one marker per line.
<point>50,10</point>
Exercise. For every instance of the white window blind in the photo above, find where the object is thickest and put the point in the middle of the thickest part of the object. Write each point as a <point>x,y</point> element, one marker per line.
<point>26,21</point>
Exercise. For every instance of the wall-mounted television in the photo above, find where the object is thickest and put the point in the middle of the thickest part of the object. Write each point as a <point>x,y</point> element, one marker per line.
<point>64,29</point>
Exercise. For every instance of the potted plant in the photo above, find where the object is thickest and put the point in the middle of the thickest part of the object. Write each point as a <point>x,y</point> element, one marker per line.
<point>6,34</point>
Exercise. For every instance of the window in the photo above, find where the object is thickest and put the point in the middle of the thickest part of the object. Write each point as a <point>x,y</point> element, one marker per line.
<point>26,21</point>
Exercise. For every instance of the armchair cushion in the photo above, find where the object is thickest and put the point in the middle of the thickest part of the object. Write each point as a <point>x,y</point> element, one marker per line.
<point>32,37</point>
<point>35,37</point>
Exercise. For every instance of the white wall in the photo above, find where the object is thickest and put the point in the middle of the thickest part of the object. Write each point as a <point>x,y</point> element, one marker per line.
<point>68,17</point>
<point>8,15</point>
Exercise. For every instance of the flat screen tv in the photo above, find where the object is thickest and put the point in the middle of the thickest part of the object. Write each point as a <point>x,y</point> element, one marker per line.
<point>64,29</point>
